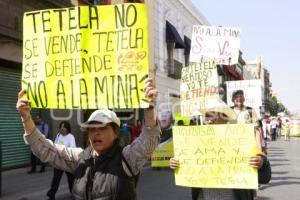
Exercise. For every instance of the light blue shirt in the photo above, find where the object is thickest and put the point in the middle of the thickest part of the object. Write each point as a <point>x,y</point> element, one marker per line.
<point>43,127</point>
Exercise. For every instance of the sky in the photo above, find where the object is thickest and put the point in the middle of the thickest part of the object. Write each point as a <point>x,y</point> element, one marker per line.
<point>269,28</point>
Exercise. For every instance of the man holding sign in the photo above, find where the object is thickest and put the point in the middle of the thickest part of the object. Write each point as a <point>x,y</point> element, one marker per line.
<point>219,116</point>
<point>246,114</point>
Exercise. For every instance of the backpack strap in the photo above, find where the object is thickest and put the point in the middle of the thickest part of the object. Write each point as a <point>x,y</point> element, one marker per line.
<point>136,177</point>
<point>250,111</point>
<point>127,165</point>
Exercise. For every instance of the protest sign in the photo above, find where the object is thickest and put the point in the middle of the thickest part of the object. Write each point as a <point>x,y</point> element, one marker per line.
<point>252,92</point>
<point>220,43</point>
<point>162,154</point>
<point>87,57</point>
<point>215,156</point>
<point>199,84</point>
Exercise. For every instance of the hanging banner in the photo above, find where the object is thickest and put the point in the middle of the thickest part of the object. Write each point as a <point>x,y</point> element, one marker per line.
<point>252,93</point>
<point>199,84</point>
<point>215,156</point>
<point>211,42</point>
<point>86,57</point>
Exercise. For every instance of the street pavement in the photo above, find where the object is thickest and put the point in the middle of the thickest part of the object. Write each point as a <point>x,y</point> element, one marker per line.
<point>158,184</point>
<point>285,161</point>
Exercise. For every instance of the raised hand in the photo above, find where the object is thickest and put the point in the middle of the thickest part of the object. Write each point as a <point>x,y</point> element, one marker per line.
<point>23,105</point>
<point>150,91</point>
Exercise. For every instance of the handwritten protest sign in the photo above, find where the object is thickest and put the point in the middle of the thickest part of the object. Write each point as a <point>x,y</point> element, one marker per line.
<point>199,84</point>
<point>252,92</point>
<point>220,43</point>
<point>86,57</point>
<point>215,156</point>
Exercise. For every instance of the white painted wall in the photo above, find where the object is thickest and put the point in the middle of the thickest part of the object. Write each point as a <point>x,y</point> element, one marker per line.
<point>183,15</point>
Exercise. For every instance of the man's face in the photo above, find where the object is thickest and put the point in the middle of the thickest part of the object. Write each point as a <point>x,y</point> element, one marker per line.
<point>238,100</point>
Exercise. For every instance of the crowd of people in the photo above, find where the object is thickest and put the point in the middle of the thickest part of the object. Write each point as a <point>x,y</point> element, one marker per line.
<point>117,150</point>
<point>272,128</point>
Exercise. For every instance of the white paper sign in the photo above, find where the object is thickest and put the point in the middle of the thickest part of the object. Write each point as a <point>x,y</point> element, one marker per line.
<point>199,84</point>
<point>220,43</point>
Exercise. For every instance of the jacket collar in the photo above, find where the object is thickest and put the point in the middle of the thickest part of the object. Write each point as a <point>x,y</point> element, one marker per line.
<point>88,152</point>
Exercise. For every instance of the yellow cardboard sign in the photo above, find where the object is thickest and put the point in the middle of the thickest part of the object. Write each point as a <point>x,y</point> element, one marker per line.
<point>199,84</point>
<point>162,154</point>
<point>215,156</point>
<point>86,57</point>
<point>178,116</point>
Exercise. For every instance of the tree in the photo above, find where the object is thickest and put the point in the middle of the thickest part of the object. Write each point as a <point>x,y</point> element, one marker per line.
<point>276,106</point>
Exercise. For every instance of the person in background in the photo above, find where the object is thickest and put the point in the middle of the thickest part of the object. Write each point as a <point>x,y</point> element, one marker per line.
<point>125,131</point>
<point>265,128</point>
<point>263,139</point>
<point>273,125</point>
<point>278,127</point>
<point>105,169</point>
<point>268,123</point>
<point>246,114</point>
<point>136,130</point>
<point>287,126</point>
<point>44,129</point>
<point>63,137</point>
<point>165,120</point>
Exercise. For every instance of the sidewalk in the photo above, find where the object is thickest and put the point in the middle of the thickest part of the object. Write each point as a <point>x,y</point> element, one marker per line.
<point>18,185</point>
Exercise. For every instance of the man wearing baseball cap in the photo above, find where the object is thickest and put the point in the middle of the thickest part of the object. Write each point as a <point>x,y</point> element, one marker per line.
<point>105,169</point>
<point>246,114</point>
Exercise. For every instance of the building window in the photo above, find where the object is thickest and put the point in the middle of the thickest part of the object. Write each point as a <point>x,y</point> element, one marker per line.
<point>187,42</point>
<point>170,56</point>
<point>173,41</point>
